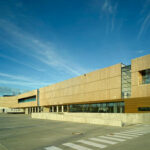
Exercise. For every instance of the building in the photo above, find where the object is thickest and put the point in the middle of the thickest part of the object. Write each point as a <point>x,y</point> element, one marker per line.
<point>115,89</point>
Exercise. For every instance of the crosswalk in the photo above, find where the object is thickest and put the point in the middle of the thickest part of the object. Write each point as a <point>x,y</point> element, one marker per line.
<point>102,142</point>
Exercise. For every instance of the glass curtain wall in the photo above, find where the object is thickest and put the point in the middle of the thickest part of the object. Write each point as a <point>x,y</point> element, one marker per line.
<point>114,107</point>
<point>126,81</point>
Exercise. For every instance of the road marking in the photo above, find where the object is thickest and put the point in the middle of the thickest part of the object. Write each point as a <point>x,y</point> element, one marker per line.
<point>139,130</point>
<point>75,146</point>
<point>103,141</point>
<point>119,136</point>
<point>125,134</point>
<point>92,144</point>
<point>52,148</point>
<point>132,132</point>
<point>112,138</point>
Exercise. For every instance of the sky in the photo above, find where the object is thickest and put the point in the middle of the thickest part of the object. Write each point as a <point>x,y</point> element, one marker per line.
<point>43,42</point>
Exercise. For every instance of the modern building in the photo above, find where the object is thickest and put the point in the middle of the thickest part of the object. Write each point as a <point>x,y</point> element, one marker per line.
<point>115,89</point>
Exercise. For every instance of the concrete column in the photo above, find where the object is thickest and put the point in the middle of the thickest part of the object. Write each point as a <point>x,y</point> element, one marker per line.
<point>115,108</point>
<point>67,108</point>
<point>62,108</point>
<point>30,110</point>
<point>26,111</point>
<point>57,108</point>
<point>52,108</point>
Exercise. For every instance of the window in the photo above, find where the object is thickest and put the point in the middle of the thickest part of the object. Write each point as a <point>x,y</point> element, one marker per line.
<point>144,109</point>
<point>108,107</point>
<point>28,99</point>
<point>145,76</point>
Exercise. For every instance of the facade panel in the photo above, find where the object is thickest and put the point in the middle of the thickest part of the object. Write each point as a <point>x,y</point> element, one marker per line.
<point>94,86</point>
<point>138,88</point>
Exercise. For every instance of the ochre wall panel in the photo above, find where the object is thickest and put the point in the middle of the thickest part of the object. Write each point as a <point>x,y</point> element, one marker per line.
<point>137,65</point>
<point>132,104</point>
<point>10,101</point>
<point>102,84</point>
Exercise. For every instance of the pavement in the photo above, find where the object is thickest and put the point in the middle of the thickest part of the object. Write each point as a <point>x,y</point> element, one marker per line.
<point>21,132</point>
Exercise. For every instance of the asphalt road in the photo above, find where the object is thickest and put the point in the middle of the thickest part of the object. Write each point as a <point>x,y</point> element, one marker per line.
<point>20,132</point>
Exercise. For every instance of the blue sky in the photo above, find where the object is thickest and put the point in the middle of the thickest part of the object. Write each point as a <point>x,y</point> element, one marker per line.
<point>47,41</point>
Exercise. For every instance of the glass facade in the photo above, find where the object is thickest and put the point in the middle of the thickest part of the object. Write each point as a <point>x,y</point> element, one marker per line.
<point>114,107</point>
<point>126,81</point>
<point>145,76</point>
<point>29,99</point>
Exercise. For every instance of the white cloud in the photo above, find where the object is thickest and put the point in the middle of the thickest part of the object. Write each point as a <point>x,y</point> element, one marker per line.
<point>22,83</point>
<point>144,19</point>
<point>45,52</point>
<point>23,63</point>
<point>146,6</point>
<point>108,7</point>
<point>145,25</point>
<point>140,51</point>
<point>20,80</point>
<point>109,11</point>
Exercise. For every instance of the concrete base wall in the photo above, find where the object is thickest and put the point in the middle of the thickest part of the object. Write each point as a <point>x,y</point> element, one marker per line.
<point>113,119</point>
<point>74,117</point>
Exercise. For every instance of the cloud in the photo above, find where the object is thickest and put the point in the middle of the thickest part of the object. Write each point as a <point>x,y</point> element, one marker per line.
<point>22,83</point>
<point>144,26</point>
<point>45,51</point>
<point>146,6</point>
<point>107,7</point>
<point>20,80</point>
<point>22,63</point>
<point>144,18</point>
<point>109,10</point>
<point>140,51</point>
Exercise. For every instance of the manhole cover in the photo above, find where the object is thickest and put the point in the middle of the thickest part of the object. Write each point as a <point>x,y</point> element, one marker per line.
<point>77,133</point>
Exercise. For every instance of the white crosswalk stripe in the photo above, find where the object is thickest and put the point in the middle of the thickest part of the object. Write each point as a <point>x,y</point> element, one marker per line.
<point>119,136</point>
<point>103,141</point>
<point>92,143</point>
<point>139,130</point>
<point>75,146</point>
<point>112,138</point>
<point>133,132</point>
<point>125,134</point>
<point>52,148</point>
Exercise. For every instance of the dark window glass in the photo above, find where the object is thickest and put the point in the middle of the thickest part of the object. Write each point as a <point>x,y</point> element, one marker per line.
<point>144,109</point>
<point>65,108</point>
<point>114,107</point>
<point>28,99</point>
<point>145,76</point>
